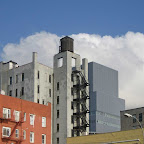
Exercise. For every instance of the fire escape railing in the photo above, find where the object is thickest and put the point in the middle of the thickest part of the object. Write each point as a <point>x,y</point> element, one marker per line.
<point>17,123</point>
<point>80,103</point>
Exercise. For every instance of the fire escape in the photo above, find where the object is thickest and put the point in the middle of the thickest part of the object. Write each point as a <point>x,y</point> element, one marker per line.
<point>80,108</point>
<point>5,119</point>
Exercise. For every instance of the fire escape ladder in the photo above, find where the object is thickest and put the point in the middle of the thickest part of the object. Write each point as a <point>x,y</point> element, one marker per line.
<point>80,115</point>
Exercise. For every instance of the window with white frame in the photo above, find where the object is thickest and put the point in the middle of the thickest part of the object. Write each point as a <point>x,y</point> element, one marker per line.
<point>31,137</point>
<point>6,113</point>
<point>16,133</point>
<point>43,139</point>
<point>17,115</point>
<point>32,117</point>
<point>43,121</point>
<point>24,134</point>
<point>6,131</point>
<point>24,116</point>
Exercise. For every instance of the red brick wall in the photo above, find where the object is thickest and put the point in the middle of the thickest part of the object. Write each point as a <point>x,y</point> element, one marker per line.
<point>38,110</point>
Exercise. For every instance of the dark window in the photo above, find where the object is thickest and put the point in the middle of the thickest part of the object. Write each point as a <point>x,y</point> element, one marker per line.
<point>10,80</point>
<point>72,119</point>
<point>134,120</point>
<point>49,78</point>
<point>57,113</point>
<point>37,100</point>
<point>57,140</point>
<point>50,92</point>
<point>10,93</point>
<point>38,89</point>
<point>57,99</point>
<point>38,75</point>
<point>22,92</point>
<point>57,127</point>
<point>72,77</point>
<point>22,76</point>
<point>72,133</point>
<point>140,117</point>
<point>57,85</point>
<point>16,92</point>
<point>72,105</point>
<point>43,101</point>
<point>72,91</point>
<point>16,78</point>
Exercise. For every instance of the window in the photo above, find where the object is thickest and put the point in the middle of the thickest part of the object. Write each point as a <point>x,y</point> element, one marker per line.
<point>22,91</point>
<point>57,85</point>
<point>6,131</point>
<point>57,99</point>
<point>43,139</point>
<point>72,77</point>
<point>57,113</point>
<point>31,137</point>
<point>134,120</point>
<point>140,117</point>
<point>38,75</point>
<point>38,89</point>
<point>57,140</point>
<point>24,134</point>
<point>22,76</point>
<point>57,127</point>
<point>6,113</point>
<point>72,105</point>
<point>32,119</point>
<point>49,92</point>
<point>73,62</point>
<point>10,81</point>
<point>72,91</point>
<point>16,133</point>
<point>60,62</point>
<point>10,93</point>
<point>49,78</point>
<point>24,116</point>
<point>16,79</point>
<point>43,121</point>
<point>37,100</point>
<point>43,101</point>
<point>16,93</point>
<point>17,115</point>
<point>72,119</point>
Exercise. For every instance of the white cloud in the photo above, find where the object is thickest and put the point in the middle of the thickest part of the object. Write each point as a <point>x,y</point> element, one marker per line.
<point>123,53</point>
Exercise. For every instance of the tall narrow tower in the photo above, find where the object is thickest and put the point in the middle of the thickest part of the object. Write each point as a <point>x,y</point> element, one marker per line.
<point>71,100</point>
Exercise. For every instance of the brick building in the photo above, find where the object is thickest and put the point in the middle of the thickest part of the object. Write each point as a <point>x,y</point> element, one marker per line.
<point>24,122</point>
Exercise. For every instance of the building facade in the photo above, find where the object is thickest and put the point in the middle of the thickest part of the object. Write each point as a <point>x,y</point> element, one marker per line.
<point>105,105</point>
<point>24,122</point>
<point>32,81</point>
<point>71,100</point>
<point>128,123</point>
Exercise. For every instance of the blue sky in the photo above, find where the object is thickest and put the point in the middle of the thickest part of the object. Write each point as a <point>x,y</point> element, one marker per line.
<point>65,17</point>
<point>41,24</point>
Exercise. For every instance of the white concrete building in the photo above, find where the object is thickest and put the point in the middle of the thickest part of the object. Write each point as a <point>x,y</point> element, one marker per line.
<point>32,81</point>
<point>71,100</point>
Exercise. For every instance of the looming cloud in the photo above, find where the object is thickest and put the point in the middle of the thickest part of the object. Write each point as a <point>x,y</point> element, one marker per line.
<point>123,53</point>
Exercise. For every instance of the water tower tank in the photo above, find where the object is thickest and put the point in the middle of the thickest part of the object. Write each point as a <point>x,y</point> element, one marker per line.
<point>66,44</point>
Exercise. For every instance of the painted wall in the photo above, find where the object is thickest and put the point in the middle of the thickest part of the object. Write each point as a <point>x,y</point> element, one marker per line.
<point>29,108</point>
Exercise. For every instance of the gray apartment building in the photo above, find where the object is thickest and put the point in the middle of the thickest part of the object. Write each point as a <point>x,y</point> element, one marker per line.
<point>128,123</point>
<point>32,81</point>
<point>75,90</point>
<point>105,105</point>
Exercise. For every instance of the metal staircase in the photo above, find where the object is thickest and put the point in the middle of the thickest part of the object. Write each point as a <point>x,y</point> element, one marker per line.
<point>80,107</point>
